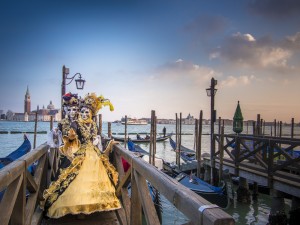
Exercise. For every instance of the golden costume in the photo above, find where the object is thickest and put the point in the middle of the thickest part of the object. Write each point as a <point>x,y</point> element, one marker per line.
<point>88,184</point>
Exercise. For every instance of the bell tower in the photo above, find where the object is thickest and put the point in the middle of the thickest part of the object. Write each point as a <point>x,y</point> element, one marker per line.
<point>27,102</point>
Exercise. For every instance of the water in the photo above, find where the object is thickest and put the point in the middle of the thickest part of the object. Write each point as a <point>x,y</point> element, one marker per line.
<point>255,213</point>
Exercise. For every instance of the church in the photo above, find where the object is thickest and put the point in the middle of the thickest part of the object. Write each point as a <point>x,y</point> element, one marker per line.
<point>43,114</point>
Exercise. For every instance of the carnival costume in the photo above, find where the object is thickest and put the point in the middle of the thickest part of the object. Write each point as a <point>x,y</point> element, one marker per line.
<point>88,184</point>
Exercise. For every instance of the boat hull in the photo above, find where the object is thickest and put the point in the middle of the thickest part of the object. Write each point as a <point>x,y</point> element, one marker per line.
<point>141,140</point>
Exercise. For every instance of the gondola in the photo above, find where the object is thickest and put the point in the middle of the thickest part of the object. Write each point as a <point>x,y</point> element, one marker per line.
<point>142,140</point>
<point>19,152</point>
<point>215,195</point>
<point>16,154</point>
<point>186,154</point>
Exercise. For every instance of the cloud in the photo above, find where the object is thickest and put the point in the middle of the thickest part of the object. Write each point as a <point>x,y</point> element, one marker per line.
<point>185,72</point>
<point>205,26</point>
<point>292,42</point>
<point>246,51</point>
<point>275,8</point>
<point>232,81</point>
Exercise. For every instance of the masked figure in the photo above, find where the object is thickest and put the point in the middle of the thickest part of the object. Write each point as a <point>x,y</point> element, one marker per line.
<point>88,184</point>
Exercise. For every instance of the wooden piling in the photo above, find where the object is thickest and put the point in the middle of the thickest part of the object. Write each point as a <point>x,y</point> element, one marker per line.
<point>247,127</point>
<point>125,133</point>
<point>35,128</point>
<point>277,213</point>
<point>243,193</point>
<point>51,122</point>
<point>100,123</point>
<point>292,128</point>
<point>258,125</point>
<point>177,137</point>
<point>295,211</point>
<point>109,129</point>
<point>221,149</point>
<point>196,137</point>
<point>275,126</point>
<point>219,125</point>
<point>199,145</point>
<point>179,141</point>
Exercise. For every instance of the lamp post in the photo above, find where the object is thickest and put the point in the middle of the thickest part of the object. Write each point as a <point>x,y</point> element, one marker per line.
<point>211,91</point>
<point>79,84</point>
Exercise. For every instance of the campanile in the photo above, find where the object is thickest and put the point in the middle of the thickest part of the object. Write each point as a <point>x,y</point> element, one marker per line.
<point>27,102</point>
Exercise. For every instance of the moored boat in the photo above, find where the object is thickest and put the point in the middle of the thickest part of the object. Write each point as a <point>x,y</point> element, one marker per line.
<point>186,154</point>
<point>19,152</point>
<point>215,195</point>
<point>141,140</point>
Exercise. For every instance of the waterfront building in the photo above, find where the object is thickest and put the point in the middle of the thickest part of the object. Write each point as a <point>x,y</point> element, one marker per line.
<point>43,114</point>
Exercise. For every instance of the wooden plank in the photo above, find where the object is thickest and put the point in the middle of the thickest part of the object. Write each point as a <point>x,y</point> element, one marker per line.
<point>32,199</point>
<point>145,197</point>
<point>179,195</point>
<point>98,218</point>
<point>31,185</point>
<point>124,182</point>
<point>124,192</point>
<point>9,200</point>
<point>10,172</point>
<point>18,213</point>
<point>37,216</point>
<point>136,207</point>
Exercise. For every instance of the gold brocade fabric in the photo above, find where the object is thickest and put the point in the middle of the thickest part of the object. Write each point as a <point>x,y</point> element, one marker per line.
<point>86,186</point>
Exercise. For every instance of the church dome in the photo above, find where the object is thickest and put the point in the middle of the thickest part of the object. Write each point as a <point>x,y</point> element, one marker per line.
<point>50,106</point>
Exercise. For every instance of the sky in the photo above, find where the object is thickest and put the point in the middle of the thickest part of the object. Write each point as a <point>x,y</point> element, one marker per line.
<point>155,55</point>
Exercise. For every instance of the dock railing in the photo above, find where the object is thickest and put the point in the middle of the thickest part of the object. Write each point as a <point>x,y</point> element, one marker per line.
<point>21,191</point>
<point>195,208</point>
<point>276,159</point>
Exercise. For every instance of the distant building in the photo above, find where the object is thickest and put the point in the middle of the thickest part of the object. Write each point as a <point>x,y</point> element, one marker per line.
<point>27,102</point>
<point>43,114</point>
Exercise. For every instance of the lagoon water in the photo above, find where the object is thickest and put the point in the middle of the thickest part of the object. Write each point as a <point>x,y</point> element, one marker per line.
<point>255,213</point>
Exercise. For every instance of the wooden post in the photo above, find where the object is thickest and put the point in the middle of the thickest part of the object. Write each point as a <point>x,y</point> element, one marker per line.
<point>219,126</point>
<point>199,146</point>
<point>237,154</point>
<point>261,126</point>
<point>253,128</point>
<point>258,125</point>
<point>177,135</point>
<point>100,123</point>
<point>221,149</point>
<point>271,130</point>
<point>176,129</point>
<point>109,129</point>
<point>264,127</point>
<point>35,128</point>
<point>280,132</point>
<point>292,128</point>
<point>125,133</point>
<point>275,126</point>
<point>179,141</point>
<point>51,122</point>
<point>247,127</point>
<point>154,136</point>
<point>196,137</point>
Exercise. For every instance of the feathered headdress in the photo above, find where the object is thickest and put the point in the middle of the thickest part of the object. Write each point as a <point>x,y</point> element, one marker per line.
<point>95,103</point>
<point>70,99</point>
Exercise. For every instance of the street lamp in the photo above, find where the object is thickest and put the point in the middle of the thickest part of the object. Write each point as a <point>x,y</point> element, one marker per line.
<point>79,84</point>
<point>211,91</point>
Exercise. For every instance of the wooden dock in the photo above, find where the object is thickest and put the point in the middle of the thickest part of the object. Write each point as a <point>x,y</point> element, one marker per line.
<point>19,207</point>
<point>264,159</point>
<point>103,218</point>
